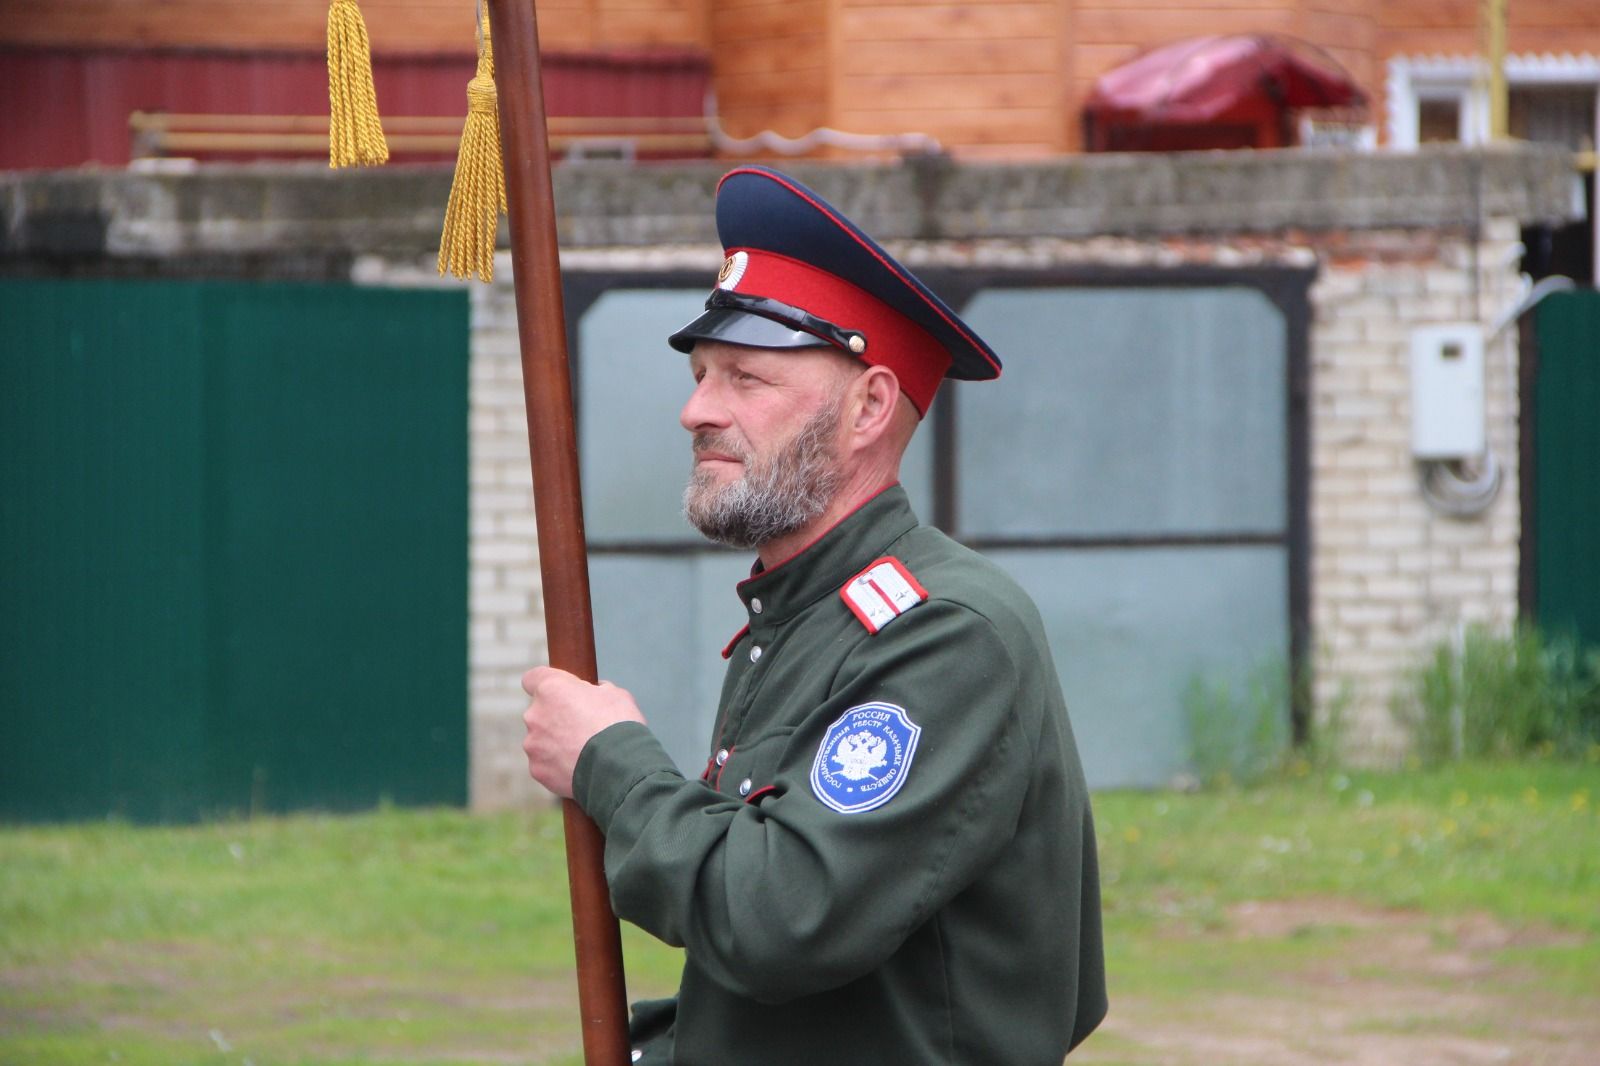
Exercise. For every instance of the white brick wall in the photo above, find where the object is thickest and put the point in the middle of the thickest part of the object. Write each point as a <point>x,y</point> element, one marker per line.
<point>1389,576</point>
<point>506,609</point>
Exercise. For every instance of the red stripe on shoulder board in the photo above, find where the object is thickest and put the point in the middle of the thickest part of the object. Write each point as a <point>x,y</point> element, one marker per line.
<point>882,592</point>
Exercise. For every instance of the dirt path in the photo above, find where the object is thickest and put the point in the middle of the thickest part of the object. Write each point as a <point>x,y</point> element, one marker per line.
<point>1391,989</point>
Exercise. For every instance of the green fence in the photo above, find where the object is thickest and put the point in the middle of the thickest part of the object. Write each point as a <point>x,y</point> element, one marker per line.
<point>1567,442</point>
<point>233,548</point>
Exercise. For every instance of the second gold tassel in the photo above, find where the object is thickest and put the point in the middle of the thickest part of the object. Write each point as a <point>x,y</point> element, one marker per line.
<point>478,191</point>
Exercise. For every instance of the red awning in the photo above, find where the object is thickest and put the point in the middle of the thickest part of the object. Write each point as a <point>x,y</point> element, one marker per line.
<point>1232,83</point>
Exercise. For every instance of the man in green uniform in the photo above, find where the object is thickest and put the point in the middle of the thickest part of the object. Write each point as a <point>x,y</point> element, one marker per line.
<point>889,857</point>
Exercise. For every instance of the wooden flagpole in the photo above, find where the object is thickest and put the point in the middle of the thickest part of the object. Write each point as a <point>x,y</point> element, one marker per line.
<point>547,389</point>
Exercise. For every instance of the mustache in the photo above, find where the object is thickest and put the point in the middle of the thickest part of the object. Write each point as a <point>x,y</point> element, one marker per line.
<point>722,444</point>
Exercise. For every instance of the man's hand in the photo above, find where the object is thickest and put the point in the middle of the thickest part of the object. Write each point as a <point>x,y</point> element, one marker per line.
<point>566,711</point>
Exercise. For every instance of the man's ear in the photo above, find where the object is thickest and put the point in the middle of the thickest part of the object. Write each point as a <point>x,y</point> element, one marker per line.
<point>878,394</point>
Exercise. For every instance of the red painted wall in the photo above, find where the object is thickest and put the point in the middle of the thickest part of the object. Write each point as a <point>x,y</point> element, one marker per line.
<point>70,107</point>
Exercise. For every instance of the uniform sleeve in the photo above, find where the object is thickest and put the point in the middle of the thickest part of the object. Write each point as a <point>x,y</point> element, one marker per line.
<point>787,897</point>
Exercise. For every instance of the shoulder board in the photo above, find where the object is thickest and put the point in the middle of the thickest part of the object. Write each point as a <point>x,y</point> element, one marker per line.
<point>882,592</point>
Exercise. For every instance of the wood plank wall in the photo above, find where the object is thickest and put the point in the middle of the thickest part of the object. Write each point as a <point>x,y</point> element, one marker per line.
<point>1009,77</point>
<point>408,26</point>
<point>1348,31</point>
<point>1002,78</point>
<point>769,62</point>
<point>1450,27</point>
<point>981,77</point>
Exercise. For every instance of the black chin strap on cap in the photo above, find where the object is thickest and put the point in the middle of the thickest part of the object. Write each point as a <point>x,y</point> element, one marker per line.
<point>759,322</point>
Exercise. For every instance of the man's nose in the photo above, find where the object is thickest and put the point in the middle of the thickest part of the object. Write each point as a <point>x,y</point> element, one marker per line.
<point>701,410</point>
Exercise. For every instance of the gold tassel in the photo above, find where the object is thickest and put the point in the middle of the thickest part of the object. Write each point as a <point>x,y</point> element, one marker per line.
<point>355,137</point>
<point>478,191</point>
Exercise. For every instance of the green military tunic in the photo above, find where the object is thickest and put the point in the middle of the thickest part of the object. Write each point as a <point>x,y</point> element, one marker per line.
<point>890,857</point>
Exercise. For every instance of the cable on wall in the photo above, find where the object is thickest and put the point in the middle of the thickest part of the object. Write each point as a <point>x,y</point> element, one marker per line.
<point>1466,488</point>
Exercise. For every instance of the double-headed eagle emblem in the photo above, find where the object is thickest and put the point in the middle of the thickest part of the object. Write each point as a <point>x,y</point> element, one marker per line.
<point>861,753</point>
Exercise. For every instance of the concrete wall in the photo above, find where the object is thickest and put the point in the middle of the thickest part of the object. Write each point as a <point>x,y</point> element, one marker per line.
<point>228,213</point>
<point>1395,242</point>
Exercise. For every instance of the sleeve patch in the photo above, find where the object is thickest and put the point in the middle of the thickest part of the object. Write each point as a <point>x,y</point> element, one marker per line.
<point>881,593</point>
<point>864,758</point>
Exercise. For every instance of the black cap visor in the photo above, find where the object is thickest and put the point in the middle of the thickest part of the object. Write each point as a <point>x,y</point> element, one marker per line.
<point>732,326</point>
<point>755,321</point>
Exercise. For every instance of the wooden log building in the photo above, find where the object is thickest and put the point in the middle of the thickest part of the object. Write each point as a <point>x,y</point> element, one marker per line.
<point>998,79</point>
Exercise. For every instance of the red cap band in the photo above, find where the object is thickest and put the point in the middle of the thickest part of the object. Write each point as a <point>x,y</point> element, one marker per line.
<point>893,340</point>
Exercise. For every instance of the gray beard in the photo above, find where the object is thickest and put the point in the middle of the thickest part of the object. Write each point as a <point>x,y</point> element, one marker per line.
<point>775,497</point>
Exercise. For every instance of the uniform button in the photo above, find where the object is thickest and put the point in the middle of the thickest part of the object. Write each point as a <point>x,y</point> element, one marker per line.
<point>755,653</point>
<point>722,756</point>
<point>744,787</point>
<point>755,604</point>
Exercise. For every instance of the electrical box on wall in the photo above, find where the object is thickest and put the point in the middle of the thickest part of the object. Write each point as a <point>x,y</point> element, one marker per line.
<point>1447,417</point>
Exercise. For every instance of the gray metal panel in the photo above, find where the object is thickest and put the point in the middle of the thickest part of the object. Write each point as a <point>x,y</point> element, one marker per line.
<point>634,455</point>
<point>1126,411</point>
<point>660,623</point>
<point>1131,628</point>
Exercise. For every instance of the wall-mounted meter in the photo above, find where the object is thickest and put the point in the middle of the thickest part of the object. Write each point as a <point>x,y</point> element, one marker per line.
<point>1447,417</point>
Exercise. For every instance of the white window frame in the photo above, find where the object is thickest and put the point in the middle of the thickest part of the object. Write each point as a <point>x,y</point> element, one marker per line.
<point>1413,79</point>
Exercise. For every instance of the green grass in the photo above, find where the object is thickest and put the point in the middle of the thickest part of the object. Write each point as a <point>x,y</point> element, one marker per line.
<point>1518,842</point>
<point>433,936</point>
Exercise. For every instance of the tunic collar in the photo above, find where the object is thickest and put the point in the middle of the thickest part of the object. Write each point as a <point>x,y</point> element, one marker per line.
<point>823,566</point>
